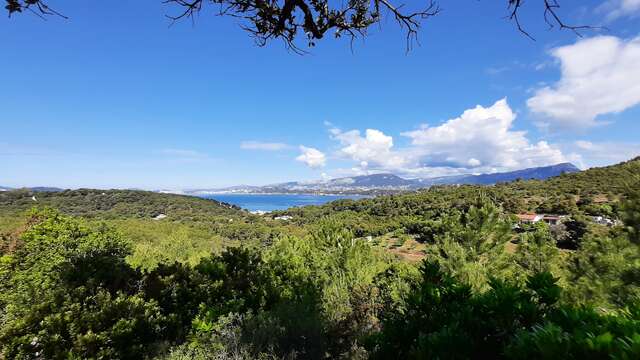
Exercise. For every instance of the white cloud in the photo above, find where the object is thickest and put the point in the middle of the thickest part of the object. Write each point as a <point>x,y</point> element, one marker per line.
<point>264,146</point>
<point>482,138</point>
<point>600,76</point>
<point>619,8</point>
<point>313,158</point>
<point>372,150</point>
<point>588,154</point>
<point>473,162</point>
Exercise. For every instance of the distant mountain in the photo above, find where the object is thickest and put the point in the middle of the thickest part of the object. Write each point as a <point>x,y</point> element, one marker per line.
<point>35,189</point>
<point>386,183</point>
<point>45,189</point>
<point>538,173</point>
<point>374,180</point>
<point>367,184</point>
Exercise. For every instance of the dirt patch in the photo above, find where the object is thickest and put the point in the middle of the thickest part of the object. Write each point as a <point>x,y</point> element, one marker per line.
<point>406,255</point>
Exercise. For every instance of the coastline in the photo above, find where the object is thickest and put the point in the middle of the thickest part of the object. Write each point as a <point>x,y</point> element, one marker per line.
<point>281,193</point>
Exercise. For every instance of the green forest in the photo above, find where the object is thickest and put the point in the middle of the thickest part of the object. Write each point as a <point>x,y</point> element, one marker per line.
<point>447,272</point>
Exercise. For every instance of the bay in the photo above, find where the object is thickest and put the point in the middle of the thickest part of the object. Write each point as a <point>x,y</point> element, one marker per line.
<point>271,202</point>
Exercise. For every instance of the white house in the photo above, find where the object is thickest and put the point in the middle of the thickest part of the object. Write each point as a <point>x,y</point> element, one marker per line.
<point>160,217</point>
<point>529,218</point>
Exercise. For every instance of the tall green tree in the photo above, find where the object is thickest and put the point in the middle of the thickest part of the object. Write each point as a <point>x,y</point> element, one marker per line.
<point>605,270</point>
<point>537,251</point>
<point>471,245</point>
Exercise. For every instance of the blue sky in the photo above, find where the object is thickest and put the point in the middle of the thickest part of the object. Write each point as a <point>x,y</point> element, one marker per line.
<point>115,97</point>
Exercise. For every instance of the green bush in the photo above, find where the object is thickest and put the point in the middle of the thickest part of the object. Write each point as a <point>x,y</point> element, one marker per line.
<point>67,292</point>
<point>68,289</point>
<point>444,319</point>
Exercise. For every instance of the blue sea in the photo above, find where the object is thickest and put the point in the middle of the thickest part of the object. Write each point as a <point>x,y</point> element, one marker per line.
<point>271,202</point>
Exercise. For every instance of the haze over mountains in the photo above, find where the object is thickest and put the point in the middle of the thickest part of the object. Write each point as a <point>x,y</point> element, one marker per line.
<point>390,182</point>
<point>370,184</point>
<point>35,188</point>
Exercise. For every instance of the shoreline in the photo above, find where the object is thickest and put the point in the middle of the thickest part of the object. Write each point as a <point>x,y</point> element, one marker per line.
<point>297,194</point>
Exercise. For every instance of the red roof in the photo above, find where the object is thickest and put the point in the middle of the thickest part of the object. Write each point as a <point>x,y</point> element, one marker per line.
<point>527,216</point>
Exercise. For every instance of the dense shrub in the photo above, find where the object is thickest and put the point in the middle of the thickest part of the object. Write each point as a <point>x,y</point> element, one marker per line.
<point>444,319</point>
<point>68,289</point>
<point>68,292</point>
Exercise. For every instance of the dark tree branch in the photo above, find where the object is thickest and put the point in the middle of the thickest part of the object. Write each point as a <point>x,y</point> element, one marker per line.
<point>37,7</point>
<point>411,21</point>
<point>551,17</point>
<point>515,6</point>
<point>288,20</point>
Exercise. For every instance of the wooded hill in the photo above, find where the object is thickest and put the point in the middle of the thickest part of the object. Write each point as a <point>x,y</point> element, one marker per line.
<point>596,191</point>
<point>111,204</point>
<point>188,227</point>
<point>211,282</point>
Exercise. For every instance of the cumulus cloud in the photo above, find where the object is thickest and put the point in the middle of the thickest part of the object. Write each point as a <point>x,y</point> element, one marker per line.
<point>482,139</point>
<point>312,157</point>
<point>599,76</point>
<point>374,149</point>
<point>264,146</point>
<point>618,8</point>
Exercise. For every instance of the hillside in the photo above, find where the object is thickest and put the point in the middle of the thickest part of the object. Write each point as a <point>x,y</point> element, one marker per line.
<point>382,273</point>
<point>110,204</point>
<point>608,179</point>
<point>210,278</point>
<point>596,191</point>
<point>320,180</point>
<point>162,226</point>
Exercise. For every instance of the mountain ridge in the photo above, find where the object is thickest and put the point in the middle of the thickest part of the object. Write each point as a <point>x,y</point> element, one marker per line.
<point>34,188</point>
<point>388,182</point>
<point>372,184</point>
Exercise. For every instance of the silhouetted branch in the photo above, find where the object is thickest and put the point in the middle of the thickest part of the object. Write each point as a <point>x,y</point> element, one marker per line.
<point>41,8</point>
<point>551,17</point>
<point>287,20</point>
